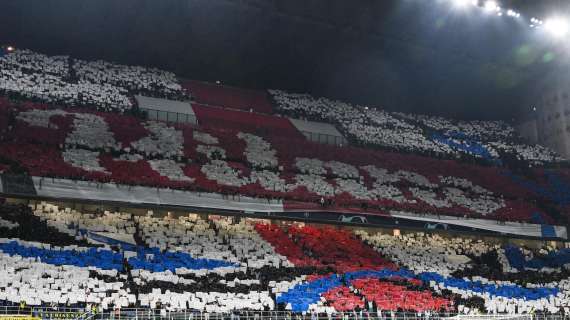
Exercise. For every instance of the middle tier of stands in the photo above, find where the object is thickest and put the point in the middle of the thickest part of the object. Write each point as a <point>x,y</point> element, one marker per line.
<point>229,97</point>
<point>263,156</point>
<point>245,121</point>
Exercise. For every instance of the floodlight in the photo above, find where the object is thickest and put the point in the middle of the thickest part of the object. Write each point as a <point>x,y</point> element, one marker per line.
<point>513,13</point>
<point>491,5</point>
<point>558,27</point>
<point>460,3</point>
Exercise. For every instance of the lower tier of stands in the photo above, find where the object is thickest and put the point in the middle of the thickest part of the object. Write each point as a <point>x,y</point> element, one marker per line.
<point>54,256</point>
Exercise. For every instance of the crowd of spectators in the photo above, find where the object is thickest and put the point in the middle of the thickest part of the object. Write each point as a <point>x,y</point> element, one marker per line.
<point>83,145</point>
<point>52,256</point>
<point>253,154</point>
<point>61,257</point>
<point>65,81</point>
<point>479,269</point>
<point>492,141</point>
<point>219,95</point>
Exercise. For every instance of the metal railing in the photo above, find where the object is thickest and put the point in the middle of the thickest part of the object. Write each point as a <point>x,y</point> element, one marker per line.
<point>164,314</point>
<point>169,116</point>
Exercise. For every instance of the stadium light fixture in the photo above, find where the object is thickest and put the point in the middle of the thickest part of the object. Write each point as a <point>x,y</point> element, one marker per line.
<point>491,5</point>
<point>513,13</point>
<point>460,3</point>
<point>557,27</point>
<point>10,49</point>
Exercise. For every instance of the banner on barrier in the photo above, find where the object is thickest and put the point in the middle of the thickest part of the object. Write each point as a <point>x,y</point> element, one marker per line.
<point>18,317</point>
<point>54,315</point>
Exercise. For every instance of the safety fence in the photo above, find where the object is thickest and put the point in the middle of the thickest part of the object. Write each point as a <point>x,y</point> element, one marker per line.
<point>10,312</point>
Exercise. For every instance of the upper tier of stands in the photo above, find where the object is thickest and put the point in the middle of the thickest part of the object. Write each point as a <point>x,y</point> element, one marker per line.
<point>228,97</point>
<point>53,256</point>
<point>65,81</point>
<point>62,80</point>
<point>493,141</point>
<point>236,153</point>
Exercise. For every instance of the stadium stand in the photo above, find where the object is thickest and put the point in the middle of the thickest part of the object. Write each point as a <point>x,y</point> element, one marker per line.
<point>251,122</point>
<point>228,97</point>
<point>433,136</point>
<point>65,81</point>
<point>231,159</point>
<point>62,80</point>
<point>222,264</point>
<point>54,123</point>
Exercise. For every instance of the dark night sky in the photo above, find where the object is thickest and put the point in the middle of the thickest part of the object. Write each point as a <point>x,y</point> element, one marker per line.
<point>403,55</point>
